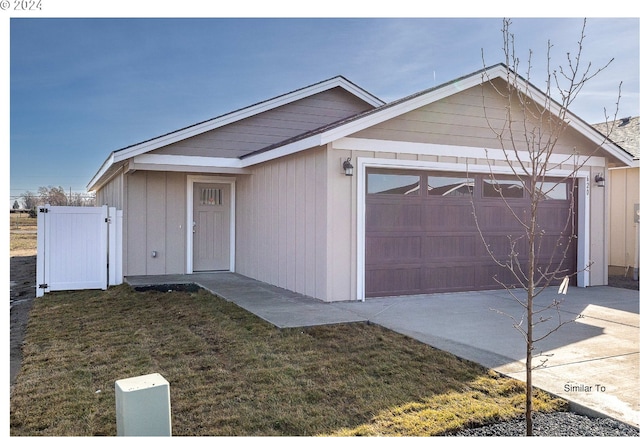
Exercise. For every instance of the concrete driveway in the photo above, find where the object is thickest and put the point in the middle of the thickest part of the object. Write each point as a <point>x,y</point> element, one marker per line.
<point>592,362</point>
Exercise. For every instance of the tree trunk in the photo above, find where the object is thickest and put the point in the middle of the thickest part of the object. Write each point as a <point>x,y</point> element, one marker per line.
<point>530,293</point>
<point>529,391</point>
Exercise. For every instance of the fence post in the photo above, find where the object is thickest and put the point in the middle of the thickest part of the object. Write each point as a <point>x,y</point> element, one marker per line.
<point>42,240</point>
<point>115,246</point>
<point>143,406</point>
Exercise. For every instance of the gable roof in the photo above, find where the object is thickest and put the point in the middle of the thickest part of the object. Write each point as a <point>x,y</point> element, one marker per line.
<point>350,125</point>
<point>137,149</point>
<point>393,109</point>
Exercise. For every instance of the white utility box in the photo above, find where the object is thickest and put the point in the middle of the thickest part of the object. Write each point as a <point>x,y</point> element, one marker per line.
<point>143,406</point>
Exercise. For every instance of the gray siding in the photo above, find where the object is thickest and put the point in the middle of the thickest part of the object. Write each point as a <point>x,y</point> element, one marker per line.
<point>624,186</point>
<point>461,120</point>
<point>271,127</point>
<point>281,220</point>
<point>112,193</point>
<point>155,221</point>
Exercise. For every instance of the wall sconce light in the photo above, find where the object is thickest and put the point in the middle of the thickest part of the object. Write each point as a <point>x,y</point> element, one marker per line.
<point>347,167</point>
<point>599,179</point>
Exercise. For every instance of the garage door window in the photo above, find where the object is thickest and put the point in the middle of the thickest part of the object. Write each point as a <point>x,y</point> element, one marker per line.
<point>505,188</point>
<point>553,190</point>
<point>389,183</point>
<point>450,186</point>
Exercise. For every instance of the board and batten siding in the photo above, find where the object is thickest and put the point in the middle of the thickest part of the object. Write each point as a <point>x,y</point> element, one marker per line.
<point>281,220</point>
<point>623,230</point>
<point>271,127</point>
<point>112,193</point>
<point>460,119</point>
<point>155,221</point>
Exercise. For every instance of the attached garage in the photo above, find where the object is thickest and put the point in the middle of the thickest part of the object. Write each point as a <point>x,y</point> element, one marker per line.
<point>422,237</point>
<point>331,193</point>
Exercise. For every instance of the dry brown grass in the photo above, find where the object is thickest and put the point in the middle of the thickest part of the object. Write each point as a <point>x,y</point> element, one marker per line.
<point>22,235</point>
<point>231,373</point>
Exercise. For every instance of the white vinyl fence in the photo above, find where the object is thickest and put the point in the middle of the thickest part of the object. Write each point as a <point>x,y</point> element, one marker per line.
<point>78,248</point>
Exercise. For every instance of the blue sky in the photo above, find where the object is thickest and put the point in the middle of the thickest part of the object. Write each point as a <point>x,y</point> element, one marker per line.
<point>83,87</point>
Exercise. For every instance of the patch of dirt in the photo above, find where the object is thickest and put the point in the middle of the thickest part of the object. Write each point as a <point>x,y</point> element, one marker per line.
<point>22,291</point>
<point>624,282</point>
<point>168,288</point>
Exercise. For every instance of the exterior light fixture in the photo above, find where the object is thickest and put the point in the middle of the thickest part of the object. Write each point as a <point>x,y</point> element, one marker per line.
<point>348,168</point>
<point>599,179</point>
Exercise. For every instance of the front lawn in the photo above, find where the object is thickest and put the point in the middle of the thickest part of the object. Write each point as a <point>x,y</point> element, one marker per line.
<point>231,373</point>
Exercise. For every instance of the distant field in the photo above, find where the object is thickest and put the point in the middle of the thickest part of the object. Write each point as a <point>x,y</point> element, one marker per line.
<point>23,234</point>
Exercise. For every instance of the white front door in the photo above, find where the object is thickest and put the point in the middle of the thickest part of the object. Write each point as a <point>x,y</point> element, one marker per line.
<point>211,226</point>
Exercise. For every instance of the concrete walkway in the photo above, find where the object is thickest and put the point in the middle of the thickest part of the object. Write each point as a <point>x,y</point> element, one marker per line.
<point>592,362</point>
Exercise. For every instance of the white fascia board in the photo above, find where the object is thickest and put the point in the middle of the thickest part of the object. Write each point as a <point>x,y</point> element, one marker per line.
<point>359,92</point>
<point>287,149</point>
<point>361,144</point>
<point>181,160</point>
<point>230,163</point>
<point>101,172</point>
<point>634,164</point>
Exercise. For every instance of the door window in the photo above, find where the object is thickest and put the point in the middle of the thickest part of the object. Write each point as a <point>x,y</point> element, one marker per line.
<point>211,196</point>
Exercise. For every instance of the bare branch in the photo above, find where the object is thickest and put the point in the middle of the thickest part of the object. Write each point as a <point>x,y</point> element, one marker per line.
<point>528,135</point>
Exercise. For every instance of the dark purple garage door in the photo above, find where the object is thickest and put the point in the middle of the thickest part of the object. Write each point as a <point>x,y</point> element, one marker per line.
<point>421,235</point>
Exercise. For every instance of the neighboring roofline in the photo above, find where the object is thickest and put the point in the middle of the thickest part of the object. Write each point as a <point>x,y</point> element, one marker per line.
<point>228,118</point>
<point>624,134</point>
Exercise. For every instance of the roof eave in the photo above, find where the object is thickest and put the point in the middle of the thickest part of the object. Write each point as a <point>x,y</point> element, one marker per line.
<point>102,171</point>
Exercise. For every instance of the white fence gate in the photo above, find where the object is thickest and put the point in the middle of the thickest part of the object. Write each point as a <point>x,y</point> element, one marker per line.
<point>78,248</point>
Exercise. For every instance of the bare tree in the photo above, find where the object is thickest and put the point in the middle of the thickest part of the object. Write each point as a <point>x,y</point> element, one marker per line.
<point>54,196</point>
<point>81,199</point>
<point>30,200</point>
<point>529,135</point>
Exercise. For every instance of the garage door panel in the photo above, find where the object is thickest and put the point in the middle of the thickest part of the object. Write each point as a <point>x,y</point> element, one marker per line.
<point>391,216</point>
<point>502,246</point>
<point>554,244</point>
<point>495,216</point>
<point>491,276</point>
<point>393,281</point>
<point>555,217</point>
<point>439,216</point>
<point>449,247</point>
<point>445,278</point>
<point>386,249</point>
